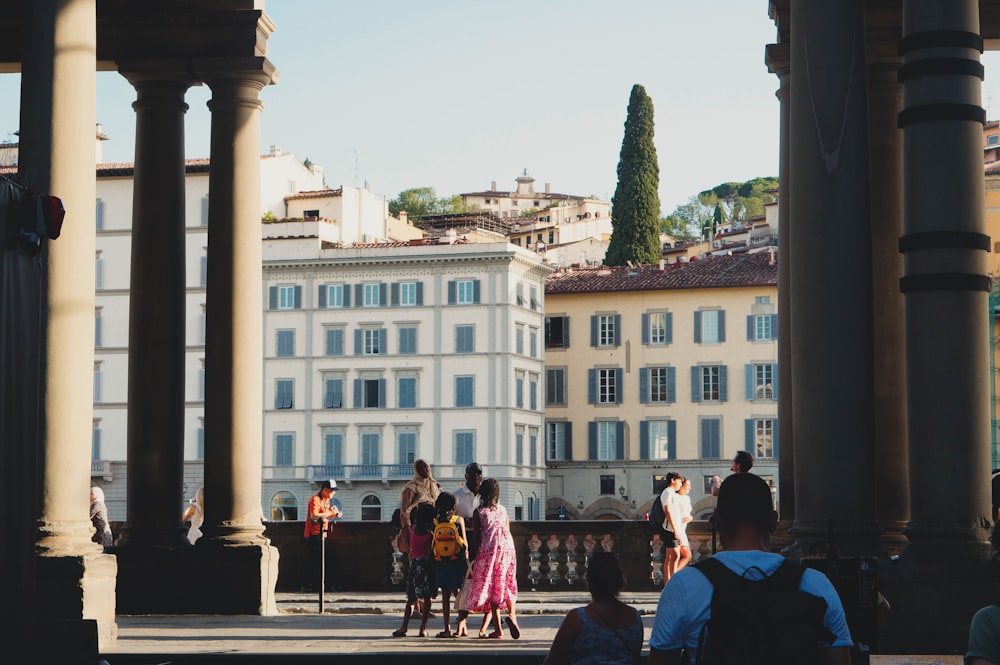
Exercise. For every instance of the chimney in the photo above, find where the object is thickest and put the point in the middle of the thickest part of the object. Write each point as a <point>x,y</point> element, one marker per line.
<point>493,186</point>
<point>404,217</point>
<point>548,189</point>
<point>275,151</point>
<point>662,263</point>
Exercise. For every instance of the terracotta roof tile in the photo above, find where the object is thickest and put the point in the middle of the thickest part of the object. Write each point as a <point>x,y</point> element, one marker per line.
<point>315,194</point>
<point>741,270</point>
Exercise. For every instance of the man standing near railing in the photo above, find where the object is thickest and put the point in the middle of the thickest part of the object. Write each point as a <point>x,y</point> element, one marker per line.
<point>466,502</point>
<point>318,515</point>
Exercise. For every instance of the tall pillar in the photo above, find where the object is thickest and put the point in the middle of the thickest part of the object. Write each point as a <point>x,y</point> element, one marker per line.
<point>234,343</point>
<point>946,285</point>
<point>885,99</point>
<point>947,323</point>
<point>156,313</point>
<point>153,533</point>
<point>830,277</point>
<point>58,129</point>
<point>778,62</point>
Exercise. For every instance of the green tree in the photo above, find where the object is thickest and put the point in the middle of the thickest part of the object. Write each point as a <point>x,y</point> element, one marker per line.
<point>419,202</point>
<point>718,218</point>
<point>635,206</point>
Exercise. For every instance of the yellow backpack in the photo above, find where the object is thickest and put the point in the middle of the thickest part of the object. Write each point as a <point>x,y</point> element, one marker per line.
<point>447,542</point>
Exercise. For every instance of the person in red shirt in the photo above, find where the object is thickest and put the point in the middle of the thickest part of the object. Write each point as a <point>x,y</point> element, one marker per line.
<point>318,515</point>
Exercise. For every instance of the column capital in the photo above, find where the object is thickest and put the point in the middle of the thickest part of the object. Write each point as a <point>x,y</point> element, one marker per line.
<point>253,70</point>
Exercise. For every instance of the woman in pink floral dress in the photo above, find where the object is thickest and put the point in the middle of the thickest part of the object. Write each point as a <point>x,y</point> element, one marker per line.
<point>493,586</point>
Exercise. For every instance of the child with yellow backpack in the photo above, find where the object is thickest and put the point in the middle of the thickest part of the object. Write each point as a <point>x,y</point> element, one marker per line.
<point>450,559</point>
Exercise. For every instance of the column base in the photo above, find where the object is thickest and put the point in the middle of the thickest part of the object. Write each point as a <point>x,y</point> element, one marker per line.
<point>206,578</point>
<point>78,594</point>
<point>933,590</point>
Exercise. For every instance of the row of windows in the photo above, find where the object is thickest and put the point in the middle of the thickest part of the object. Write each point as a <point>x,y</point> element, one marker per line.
<point>370,452</point>
<point>100,213</point>
<point>657,328</point>
<point>371,393</point>
<point>371,294</point>
<point>658,385</point>
<point>658,439</point>
<point>375,341</point>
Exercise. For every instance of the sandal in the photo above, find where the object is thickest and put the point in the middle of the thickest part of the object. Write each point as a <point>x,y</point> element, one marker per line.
<point>515,630</point>
<point>399,633</point>
<point>494,636</point>
<point>444,633</point>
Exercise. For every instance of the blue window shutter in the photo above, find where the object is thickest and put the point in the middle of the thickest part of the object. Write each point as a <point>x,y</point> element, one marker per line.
<point>204,210</point>
<point>643,385</point>
<point>452,292</point>
<point>593,331</point>
<point>345,291</point>
<point>592,440</point>
<point>272,298</point>
<point>645,329</point>
<point>381,393</point>
<point>671,385</point>
<point>394,294</point>
<point>475,291</point>
<point>774,326</point>
<point>774,437</point>
<point>748,379</point>
<point>619,440</point>
<point>748,435</point>
<point>697,327</point>
<point>382,301</point>
<point>338,342</point>
<point>750,330</point>
<point>420,293</point>
<point>321,296</point>
<point>568,438</point>
<point>383,341</point>
<point>672,439</point>
<point>619,388</point>
<point>774,382</point>
<point>723,383</point>
<point>298,297</point>
<point>644,439</point>
<point>706,438</point>
<point>722,325</point>
<point>695,383</point>
<point>329,342</point>
<point>359,295</point>
<point>358,387</point>
<point>669,324</point>
<point>618,329</point>
<point>358,344</point>
<point>591,386</point>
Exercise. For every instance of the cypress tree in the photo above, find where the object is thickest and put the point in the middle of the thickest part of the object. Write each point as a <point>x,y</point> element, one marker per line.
<point>635,207</point>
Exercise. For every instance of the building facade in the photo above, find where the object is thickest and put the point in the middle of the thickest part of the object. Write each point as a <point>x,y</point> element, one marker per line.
<point>654,369</point>
<point>378,355</point>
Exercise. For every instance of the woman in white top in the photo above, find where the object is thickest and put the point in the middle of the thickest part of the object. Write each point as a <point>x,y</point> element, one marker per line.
<point>684,510</point>
<point>196,514</point>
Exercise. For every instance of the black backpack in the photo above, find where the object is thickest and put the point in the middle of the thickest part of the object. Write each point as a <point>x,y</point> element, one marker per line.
<point>761,622</point>
<point>656,515</point>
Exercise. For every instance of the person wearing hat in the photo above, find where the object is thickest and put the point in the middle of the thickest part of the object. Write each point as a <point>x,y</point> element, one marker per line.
<point>319,513</point>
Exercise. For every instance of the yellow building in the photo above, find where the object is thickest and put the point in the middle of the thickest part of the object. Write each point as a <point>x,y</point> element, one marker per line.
<point>654,369</point>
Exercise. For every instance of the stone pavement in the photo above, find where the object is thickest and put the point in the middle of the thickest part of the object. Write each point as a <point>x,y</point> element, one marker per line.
<point>357,626</point>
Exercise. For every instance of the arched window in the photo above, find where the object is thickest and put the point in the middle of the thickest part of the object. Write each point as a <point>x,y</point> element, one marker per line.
<point>518,505</point>
<point>534,509</point>
<point>284,507</point>
<point>371,508</point>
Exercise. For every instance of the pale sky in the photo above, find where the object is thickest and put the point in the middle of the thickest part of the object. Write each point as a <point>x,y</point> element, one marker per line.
<point>455,94</point>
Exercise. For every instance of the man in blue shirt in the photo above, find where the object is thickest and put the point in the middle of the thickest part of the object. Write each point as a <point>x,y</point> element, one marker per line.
<point>745,518</point>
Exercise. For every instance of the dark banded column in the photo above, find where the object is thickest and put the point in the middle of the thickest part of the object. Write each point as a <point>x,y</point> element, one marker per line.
<point>945,284</point>
<point>830,280</point>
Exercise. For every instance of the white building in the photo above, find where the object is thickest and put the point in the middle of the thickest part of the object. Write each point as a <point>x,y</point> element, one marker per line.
<point>380,354</point>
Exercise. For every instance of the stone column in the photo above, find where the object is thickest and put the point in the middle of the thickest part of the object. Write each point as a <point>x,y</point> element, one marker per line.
<point>945,285</point>
<point>830,277</point>
<point>75,580</point>
<point>234,339</point>
<point>947,323</point>
<point>156,312</point>
<point>778,62</point>
<point>885,98</point>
